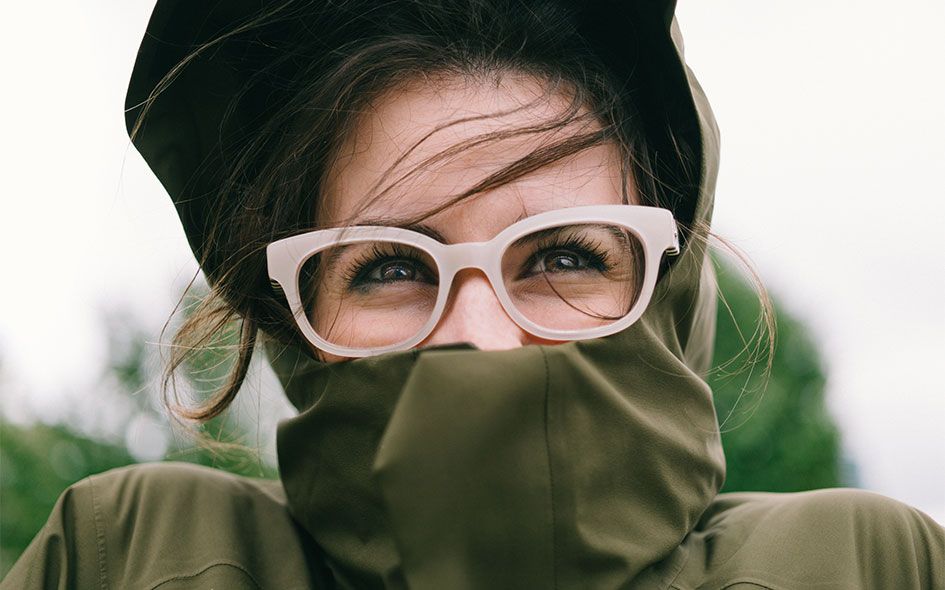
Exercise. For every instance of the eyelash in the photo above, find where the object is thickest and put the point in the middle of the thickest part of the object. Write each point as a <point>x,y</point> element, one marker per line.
<point>597,256</point>
<point>377,256</point>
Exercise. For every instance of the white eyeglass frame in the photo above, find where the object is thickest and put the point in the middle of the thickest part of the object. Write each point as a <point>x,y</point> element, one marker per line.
<point>654,227</point>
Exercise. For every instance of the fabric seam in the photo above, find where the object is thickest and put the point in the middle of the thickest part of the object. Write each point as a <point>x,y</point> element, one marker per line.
<point>99,537</point>
<point>731,583</point>
<point>206,568</point>
<point>671,578</point>
<point>551,479</point>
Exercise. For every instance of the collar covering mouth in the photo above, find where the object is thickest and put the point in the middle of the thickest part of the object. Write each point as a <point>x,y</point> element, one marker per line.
<point>536,467</point>
<point>583,464</point>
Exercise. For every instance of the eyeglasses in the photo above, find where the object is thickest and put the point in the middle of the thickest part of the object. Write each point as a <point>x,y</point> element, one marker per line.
<point>566,274</point>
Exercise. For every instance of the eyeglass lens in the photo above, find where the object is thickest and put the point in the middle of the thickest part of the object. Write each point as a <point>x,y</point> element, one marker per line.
<point>380,293</point>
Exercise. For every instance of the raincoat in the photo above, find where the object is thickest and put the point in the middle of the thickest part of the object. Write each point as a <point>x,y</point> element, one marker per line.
<point>590,464</point>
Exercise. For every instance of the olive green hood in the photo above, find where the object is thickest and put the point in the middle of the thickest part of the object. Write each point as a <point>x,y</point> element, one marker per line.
<point>581,464</point>
<point>584,464</point>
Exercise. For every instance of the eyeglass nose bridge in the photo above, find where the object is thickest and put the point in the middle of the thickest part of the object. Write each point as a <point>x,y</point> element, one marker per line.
<point>484,256</point>
<point>457,257</point>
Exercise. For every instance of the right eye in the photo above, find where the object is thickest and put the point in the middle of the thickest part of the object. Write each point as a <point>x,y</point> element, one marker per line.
<point>400,269</point>
<point>389,264</point>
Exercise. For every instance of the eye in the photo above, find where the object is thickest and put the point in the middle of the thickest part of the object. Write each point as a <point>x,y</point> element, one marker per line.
<point>562,261</point>
<point>572,256</point>
<point>393,270</point>
<point>389,264</point>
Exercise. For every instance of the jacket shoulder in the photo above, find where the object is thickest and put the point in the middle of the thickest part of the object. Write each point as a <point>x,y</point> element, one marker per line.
<point>185,487</point>
<point>175,525</point>
<point>832,539</point>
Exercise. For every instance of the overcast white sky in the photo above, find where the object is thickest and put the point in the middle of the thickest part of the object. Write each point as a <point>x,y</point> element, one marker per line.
<point>832,129</point>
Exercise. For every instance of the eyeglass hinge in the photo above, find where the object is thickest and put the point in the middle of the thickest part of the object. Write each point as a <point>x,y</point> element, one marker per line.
<point>674,249</point>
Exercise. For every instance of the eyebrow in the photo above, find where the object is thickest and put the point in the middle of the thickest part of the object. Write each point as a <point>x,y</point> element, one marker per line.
<point>420,227</point>
<point>615,231</point>
<point>417,227</point>
<point>543,233</point>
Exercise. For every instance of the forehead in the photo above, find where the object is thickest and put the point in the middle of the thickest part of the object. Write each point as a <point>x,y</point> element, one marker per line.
<point>425,142</point>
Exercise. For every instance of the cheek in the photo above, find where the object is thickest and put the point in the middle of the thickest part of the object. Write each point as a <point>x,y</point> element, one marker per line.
<point>381,318</point>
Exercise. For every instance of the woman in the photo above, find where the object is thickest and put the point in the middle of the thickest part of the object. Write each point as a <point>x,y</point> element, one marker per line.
<point>526,413</point>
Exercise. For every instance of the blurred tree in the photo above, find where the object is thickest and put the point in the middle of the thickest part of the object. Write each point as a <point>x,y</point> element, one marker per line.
<point>39,461</point>
<point>776,431</point>
<point>221,442</point>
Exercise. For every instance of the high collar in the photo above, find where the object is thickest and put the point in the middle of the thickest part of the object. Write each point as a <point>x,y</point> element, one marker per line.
<point>585,463</point>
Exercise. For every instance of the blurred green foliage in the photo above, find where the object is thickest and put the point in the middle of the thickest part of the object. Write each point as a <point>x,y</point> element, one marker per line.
<point>220,442</point>
<point>777,433</point>
<point>36,464</point>
<point>39,461</point>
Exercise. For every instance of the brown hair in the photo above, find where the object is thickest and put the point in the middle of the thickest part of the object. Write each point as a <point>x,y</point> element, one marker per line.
<point>271,186</point>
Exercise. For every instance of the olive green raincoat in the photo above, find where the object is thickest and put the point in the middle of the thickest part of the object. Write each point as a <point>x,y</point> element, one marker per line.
<point>590,464</point>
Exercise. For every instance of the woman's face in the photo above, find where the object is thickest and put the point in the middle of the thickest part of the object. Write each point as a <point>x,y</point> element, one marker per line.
<point>367,166</point>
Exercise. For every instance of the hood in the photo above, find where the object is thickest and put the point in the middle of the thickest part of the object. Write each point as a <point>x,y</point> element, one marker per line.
<point>580,464</point>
